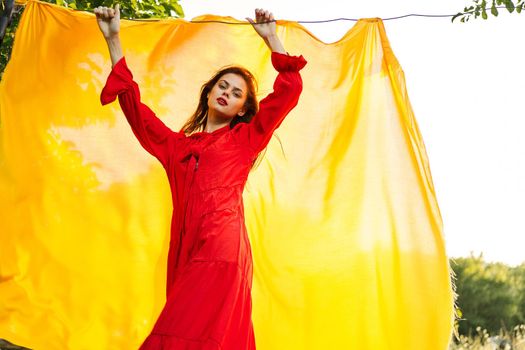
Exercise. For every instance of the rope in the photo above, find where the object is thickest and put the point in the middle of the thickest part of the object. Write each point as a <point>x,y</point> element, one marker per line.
<point>348,19</point>
<point>300,21</point>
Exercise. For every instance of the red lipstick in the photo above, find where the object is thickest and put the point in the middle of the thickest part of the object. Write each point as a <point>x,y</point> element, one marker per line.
<point>222,101</point>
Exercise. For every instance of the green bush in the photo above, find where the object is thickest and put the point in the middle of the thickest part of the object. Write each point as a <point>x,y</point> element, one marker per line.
<point>490,295</point>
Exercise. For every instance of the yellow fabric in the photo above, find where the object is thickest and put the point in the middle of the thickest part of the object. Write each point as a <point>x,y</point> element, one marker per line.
<point>342,214</point>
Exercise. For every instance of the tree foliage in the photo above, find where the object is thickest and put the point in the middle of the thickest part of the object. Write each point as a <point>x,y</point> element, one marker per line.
<point>490,295</point>
<point>479,9</point>
<point>134,9</point>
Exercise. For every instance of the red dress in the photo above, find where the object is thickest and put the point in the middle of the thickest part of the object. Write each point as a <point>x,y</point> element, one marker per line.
<point>208,291</point>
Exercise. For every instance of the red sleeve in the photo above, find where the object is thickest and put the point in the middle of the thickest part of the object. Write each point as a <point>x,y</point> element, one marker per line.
<point>152,133</point>
<point>273,108</point>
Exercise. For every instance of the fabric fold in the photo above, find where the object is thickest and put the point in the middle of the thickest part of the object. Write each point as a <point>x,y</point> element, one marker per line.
<point>117,81</point>
<point>341,213</point>
<point>283,63</point>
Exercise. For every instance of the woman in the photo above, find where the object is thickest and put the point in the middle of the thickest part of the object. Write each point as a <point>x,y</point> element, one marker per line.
<point>208,290</point>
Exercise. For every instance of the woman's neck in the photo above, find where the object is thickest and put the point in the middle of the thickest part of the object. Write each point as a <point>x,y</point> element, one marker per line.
<point>212,124</point>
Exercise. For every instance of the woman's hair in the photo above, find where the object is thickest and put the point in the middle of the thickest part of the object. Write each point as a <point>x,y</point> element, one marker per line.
<point>198,120</point>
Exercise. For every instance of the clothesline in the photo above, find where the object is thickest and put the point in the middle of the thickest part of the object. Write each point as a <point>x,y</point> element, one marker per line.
<point>346,19</point>
<point>303,21</point>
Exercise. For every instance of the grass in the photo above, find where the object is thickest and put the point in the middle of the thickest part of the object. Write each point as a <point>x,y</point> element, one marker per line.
<point>482,340</point>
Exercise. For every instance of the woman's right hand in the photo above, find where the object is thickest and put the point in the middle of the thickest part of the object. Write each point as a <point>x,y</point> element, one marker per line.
<point>108,20</point>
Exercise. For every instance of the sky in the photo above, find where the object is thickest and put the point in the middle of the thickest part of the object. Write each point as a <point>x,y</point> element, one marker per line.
<point>466,85</point>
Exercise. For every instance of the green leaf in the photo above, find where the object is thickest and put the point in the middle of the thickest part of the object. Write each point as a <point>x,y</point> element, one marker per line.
<point>494,10</point>
<point>178,9</point>
<point>518,9</point>
<point>509,5</point>
<point>456,16</point>
<point>484,14</point>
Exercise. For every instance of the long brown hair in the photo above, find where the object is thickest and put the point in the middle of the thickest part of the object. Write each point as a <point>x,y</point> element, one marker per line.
<point>197,121</point>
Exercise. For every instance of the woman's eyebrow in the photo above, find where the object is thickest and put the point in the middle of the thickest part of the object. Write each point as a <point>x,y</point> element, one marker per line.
<point>235,87</point>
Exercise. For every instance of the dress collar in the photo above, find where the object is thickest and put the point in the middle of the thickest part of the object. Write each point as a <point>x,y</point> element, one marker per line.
<point>214,133</point>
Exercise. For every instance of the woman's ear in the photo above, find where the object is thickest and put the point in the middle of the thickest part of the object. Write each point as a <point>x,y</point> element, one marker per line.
<point>241,112</point>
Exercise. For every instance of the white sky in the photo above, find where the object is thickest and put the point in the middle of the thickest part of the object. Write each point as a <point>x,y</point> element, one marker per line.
<point>466,84</point>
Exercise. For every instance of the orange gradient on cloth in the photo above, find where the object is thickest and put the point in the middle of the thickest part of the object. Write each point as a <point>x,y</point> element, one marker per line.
<point>345,229</point>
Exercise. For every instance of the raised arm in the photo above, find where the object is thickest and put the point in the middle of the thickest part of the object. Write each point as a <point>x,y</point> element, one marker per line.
<point>108,21</point>
<point>152,133</point>
<point>287,87</point>
<point>274,107</point>
<point>154,136</point>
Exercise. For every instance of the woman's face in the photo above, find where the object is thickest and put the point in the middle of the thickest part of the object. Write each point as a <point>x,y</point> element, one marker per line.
<point>227,97</point>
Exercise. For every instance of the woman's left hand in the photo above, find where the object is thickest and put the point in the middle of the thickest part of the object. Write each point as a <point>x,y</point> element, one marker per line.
<point>264,23</point>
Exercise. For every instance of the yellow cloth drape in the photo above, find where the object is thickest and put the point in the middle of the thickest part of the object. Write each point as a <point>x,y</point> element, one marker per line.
<point>345,229</point>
